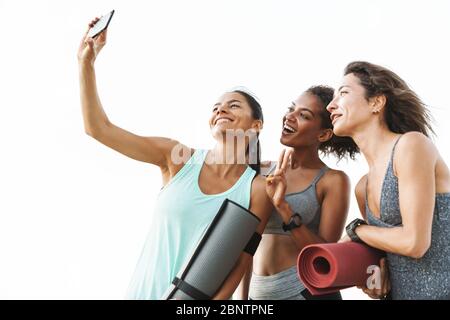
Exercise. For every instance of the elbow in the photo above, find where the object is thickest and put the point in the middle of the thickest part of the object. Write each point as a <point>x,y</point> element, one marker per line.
<point>417,249</point>
<point>94,131</point>
<point>89,131</point>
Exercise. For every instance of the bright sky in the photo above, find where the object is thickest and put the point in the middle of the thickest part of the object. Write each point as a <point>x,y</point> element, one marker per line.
<point>74,214</point>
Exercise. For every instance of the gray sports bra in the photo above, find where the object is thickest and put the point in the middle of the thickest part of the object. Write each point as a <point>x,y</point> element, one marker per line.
<point>304,202</point>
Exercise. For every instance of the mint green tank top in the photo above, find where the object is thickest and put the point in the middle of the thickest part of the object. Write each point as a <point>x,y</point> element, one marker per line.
<point>181,216</point>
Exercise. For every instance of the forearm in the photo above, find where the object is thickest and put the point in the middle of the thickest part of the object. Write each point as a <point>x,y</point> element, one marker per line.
<point>232,281</point>
<point>302,235</point>
<point>395,240</point>
<point>94,116</point>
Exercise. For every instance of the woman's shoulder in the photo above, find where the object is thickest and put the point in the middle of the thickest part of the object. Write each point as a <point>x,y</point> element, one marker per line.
<point>413,151</point>
<point>259,183</point>
<point>259,187</point>
<point>414,138</point>
<point>334,175</point>
<point>415,144</point>
<point>334,180</point>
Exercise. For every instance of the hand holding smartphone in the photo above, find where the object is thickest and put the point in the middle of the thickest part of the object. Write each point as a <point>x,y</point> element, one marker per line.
<point>100,25</point>
<point>94,39</point>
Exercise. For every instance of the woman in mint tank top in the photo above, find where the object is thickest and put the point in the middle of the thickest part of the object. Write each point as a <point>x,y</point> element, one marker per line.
<point>405,196</point>
<point>313,197</point>
<point>196,182</point>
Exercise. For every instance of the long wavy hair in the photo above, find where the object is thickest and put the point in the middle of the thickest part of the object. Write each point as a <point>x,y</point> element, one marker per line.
<point>404,110</point>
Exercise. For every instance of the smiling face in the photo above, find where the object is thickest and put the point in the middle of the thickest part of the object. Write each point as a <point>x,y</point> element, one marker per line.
<point>232,112</point>
<point>350,110</point>
<point>302,123</point>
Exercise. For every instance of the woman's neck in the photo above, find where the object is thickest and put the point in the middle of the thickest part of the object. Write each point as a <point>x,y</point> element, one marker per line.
<point>374,141</point>
<point>226,159</point>
<point>306,158</point>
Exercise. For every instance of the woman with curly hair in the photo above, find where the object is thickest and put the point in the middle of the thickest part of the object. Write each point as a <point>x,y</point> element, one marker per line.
<point>310,199</point>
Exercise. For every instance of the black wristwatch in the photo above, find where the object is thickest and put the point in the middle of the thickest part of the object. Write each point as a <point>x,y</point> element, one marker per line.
<point>351,227</point>
<point>295,221</point>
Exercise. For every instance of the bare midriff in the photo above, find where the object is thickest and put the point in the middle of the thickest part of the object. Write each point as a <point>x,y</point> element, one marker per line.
<point>275,253</point>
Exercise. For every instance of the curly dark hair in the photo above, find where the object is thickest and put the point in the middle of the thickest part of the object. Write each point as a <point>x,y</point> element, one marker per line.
<point>341,147</point>
<point>404,110</point>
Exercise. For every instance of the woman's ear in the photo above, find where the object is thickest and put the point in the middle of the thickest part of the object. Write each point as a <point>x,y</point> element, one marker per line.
<point>325,135</point>
<point>377,103</point>
<point>257,125</point>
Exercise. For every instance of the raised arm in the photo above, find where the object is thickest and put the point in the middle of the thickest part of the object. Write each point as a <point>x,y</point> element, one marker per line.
<point>154,150</point>
<point>334,210</point>
<point>334,207</point>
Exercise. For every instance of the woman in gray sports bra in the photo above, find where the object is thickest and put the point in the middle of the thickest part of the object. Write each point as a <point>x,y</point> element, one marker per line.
<point>405,197</point>
<point>314,206</point>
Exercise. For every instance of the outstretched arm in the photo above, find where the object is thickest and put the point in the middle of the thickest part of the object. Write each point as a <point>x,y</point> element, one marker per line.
<point>154,150</point>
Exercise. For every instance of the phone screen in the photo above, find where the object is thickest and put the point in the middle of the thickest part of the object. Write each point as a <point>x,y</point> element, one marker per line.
<point>101,25</point>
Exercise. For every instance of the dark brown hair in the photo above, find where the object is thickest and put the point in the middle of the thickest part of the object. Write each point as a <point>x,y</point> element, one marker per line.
<point>340,147</point>
<point>257,114</point>
<point>404,111</point>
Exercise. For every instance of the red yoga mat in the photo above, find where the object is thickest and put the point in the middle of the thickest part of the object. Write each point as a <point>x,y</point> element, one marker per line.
<point>330,267</point>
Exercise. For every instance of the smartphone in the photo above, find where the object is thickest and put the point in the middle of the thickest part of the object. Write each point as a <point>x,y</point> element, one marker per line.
<point>101,25</point>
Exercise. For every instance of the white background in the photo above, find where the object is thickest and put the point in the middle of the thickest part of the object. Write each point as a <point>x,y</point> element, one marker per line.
<point>73,213</point>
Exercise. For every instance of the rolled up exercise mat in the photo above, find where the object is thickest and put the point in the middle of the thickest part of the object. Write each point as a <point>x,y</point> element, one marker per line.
<point>330,267</point>
<point>230,233</point>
